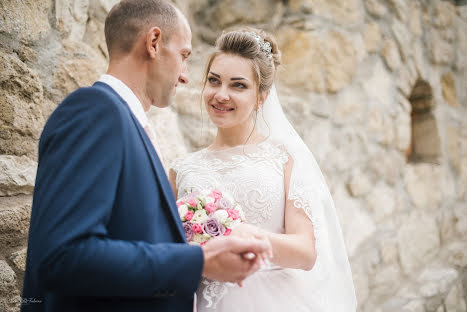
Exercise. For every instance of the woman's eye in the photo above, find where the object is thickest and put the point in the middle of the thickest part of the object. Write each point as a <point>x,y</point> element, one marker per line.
<point>240,85</point>
<point>212,80</point>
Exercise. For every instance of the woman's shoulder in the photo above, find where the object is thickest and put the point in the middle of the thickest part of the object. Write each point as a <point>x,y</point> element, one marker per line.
<point>186,159</point>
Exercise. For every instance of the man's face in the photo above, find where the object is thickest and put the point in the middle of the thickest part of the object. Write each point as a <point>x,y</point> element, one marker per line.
<point>174,53</point>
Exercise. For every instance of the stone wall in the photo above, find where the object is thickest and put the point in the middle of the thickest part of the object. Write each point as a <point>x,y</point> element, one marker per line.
<point>377,89</point>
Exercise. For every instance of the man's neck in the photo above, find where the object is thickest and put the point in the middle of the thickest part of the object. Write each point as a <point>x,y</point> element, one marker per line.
<point>133,76</point>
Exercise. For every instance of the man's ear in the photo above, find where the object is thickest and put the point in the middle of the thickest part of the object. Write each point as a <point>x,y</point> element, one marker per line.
<point>153,40</point>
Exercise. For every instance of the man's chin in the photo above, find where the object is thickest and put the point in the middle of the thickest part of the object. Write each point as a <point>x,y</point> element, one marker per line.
<point>166,102</point>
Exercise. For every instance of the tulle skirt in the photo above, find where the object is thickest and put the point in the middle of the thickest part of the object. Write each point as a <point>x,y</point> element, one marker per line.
<point>271,290</point>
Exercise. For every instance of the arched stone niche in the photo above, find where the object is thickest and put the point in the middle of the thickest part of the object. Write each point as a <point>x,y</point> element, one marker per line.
<point>425,141</point>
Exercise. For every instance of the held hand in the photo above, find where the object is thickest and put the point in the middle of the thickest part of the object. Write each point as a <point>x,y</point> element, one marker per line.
<point>224,258</point>
<point>247,231</point>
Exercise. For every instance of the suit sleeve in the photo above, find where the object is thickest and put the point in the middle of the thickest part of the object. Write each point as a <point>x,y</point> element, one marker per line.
<point>80,160</point>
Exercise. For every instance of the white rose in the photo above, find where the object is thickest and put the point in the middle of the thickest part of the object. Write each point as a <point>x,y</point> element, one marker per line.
<point>209,200</point>
<point>241,214</point>
<point>234,223</point>
<point>182,210</point>
<point>200,238</point>
<point>227,222</point>
<point>205,193</point>
<point>228,197</point>
<point>221,216</point>
<point>200,216</point>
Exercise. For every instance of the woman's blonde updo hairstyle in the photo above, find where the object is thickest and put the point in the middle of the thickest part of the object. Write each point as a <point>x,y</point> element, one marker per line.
<point>243,43</point>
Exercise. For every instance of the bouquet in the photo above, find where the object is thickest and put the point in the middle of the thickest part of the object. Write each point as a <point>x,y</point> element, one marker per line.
<point>208,214</point>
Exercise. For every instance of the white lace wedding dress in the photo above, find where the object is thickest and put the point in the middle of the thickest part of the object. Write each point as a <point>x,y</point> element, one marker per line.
<point>254,176</point>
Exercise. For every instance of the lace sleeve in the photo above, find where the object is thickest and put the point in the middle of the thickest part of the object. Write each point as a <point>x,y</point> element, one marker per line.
<point>175,164</point>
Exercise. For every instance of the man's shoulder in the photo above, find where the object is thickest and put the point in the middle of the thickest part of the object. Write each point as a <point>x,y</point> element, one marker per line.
<point>99,91</point>
<point>85,105</point>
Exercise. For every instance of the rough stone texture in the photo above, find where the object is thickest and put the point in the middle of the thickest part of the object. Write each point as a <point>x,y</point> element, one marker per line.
<point>19,259</point>
<point>423,185</point>
<point>20,107</point>
<point>340,61</point>
<point>391,55</point>
<point>71,18</point>
<point>348,13</point>
<point>17,175</point>
<point>317,63</point>
<point>78,66</point>
<point>382,202</point>
<point>8,293</point>
<point>377,89</point>
<point>372,37</point>
<point>443,48</point>
<point>449,89</point>
<point>455,300</point>
<point>375,7</point>
<point>14,220</point>
<point>302,58</point>
<point>418,240</point>
<point>359,185</point>
<point>361,227</point>
<point>25,20</point>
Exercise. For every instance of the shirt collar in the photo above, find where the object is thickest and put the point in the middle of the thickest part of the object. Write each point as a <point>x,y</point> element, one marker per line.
<point>128,96</point>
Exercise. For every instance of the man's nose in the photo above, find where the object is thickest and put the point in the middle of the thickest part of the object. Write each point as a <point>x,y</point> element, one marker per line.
<point>183,78</point>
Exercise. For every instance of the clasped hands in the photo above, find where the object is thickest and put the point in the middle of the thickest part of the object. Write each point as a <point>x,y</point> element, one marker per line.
<point>233,258</point>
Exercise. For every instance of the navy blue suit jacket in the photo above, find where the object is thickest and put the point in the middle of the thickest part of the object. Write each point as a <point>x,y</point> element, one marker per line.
<point>105,234</point>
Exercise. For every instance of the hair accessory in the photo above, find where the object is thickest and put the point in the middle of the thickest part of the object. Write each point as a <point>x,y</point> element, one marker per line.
<point>264,45</point>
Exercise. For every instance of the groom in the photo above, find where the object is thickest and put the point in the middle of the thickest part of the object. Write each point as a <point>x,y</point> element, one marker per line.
<point>105,234</point>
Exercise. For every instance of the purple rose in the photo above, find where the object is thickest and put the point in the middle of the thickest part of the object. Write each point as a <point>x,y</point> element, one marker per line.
<point>213,227</point>
<point>224,204</point>
<point>188,231</point>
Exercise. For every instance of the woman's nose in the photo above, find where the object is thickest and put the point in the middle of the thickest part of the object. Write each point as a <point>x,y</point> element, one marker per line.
<point>222,95</point>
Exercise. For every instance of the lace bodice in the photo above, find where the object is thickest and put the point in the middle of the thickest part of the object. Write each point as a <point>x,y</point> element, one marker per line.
<point>252,174</point>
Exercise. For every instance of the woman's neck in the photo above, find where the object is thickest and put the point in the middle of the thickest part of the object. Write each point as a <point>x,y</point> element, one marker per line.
<point>229,137</point>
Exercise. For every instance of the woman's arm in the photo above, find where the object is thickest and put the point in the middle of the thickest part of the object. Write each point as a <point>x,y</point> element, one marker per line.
<point>296,248</point>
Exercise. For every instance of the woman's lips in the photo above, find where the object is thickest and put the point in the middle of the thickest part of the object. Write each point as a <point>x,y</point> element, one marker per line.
<point>222,109</point>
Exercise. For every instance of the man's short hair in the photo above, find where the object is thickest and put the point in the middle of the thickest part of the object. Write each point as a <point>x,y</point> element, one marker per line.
<point>129,18</point>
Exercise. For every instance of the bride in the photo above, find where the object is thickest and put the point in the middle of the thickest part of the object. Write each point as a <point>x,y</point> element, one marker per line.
<point>260,160</point>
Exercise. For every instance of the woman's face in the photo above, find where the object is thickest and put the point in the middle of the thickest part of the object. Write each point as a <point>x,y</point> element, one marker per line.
<point>230,94</point>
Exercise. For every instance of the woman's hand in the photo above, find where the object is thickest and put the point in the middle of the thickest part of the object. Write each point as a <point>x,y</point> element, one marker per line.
<point>248,231</point>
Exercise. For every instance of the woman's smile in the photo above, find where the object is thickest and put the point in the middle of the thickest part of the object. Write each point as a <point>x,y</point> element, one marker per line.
<point>222,109</point>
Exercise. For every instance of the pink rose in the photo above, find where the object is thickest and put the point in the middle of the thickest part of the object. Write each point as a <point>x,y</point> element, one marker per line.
<point>216,195</point>
<point>233,213</point>
<point>192,202</point>
<point>189,215</point>
<point>179,203</point>
<point>211,208</point>
<point>197,228</point>
<point>227,232</point>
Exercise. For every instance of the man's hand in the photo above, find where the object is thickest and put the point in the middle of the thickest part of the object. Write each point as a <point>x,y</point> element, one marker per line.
<point>247,231</point>
<point>224,258</point>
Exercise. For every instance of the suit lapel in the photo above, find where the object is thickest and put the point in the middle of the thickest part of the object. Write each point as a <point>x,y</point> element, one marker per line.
<point>157,167</point>
<point>161,177</point>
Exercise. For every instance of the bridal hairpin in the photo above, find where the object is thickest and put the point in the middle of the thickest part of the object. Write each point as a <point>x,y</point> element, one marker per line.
<point>264,45</point>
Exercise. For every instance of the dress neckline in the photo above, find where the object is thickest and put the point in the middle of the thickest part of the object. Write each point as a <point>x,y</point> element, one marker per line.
<point>266,139</point>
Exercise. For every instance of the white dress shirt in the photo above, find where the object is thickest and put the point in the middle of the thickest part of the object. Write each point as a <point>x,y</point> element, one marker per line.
<point>135,106</point>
